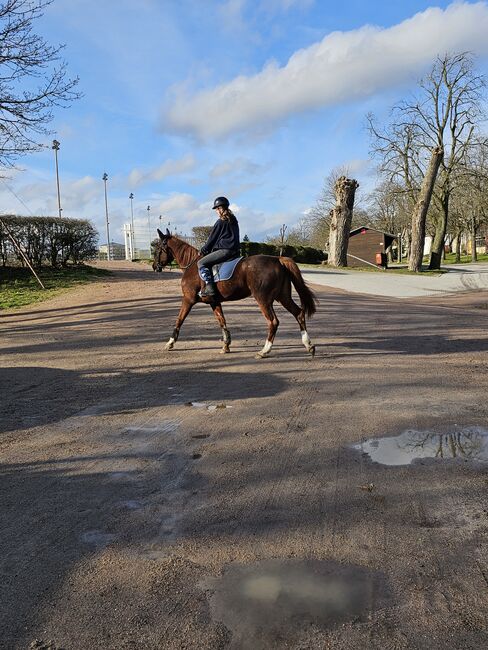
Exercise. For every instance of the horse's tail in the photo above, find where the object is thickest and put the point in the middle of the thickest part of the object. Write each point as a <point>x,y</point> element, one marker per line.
<point>307,297</point>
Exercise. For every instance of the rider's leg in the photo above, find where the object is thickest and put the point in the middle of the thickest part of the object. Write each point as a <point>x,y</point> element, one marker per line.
<point>205,268</point>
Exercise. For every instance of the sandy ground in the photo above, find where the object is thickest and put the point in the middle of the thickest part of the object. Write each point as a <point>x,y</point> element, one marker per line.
<point>132,519</point>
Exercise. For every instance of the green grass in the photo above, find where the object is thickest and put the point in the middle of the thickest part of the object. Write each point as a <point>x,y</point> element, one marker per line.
<point>18,287</point>
<point>465,259</point>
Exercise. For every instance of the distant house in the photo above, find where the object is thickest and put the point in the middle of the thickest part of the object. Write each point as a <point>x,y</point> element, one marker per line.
<point>368,246</point>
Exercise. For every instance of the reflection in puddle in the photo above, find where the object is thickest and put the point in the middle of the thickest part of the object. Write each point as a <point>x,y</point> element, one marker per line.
<point>209,407</point>
<point>468,443</point>
<point>269,604</point>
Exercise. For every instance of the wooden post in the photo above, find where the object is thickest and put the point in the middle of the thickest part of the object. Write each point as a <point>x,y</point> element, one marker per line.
<point>420,210</point>
<point>23,255</point>
<point>340,222</point>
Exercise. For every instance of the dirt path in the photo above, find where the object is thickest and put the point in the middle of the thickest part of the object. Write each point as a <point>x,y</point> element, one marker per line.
<point>131,519</point>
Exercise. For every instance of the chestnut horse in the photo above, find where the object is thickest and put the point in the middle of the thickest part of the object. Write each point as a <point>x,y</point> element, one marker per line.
<point>265,277</point>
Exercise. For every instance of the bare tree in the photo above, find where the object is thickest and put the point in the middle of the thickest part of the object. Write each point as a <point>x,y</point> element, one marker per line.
<point>470,198</point>
<point>442,117</point>
<point>33,80</point>
<point>201,234</point>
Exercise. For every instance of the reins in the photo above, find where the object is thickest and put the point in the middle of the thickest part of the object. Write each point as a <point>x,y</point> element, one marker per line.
<point>188,265</point>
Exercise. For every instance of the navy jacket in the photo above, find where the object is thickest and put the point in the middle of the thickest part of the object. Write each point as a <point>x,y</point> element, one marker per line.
<point>225,234</point>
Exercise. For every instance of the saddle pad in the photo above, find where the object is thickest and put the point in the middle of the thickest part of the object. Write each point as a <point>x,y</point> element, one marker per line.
<point>225,270</point>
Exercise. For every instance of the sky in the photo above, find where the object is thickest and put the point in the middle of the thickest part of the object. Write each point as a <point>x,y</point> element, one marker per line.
<point>256,100</point>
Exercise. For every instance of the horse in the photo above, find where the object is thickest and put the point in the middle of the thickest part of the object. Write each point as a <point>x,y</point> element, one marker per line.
<point>265,277</point>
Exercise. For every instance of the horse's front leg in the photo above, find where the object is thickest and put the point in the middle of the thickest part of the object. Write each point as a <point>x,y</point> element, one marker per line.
<point>226,338</point>
<point>185,308</point>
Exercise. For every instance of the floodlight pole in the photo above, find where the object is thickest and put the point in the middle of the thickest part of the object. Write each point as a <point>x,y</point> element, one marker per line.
<point>149,226</point>
<point>105,179</point>
<point>56,149</point>
<point>131,197</point>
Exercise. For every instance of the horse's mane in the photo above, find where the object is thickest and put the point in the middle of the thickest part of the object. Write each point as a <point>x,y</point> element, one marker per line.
<point>186,252</point>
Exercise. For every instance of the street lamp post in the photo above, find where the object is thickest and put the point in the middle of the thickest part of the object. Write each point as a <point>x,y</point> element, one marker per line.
<point>132,239</point>
<point>149,226</point>
<point>105,179</point>
<point>55,146</point>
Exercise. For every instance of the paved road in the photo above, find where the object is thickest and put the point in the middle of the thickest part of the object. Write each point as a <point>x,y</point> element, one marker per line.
<point>461,277</point>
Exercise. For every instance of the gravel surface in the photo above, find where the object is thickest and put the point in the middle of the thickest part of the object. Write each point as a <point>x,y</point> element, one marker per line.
<point>190,499</point>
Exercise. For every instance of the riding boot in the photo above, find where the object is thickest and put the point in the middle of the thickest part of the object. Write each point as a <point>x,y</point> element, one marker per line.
<point>208,290</point>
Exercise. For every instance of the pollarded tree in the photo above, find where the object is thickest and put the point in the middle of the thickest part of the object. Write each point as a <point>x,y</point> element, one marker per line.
<point>341,220</point>
<point>318,219</point>
<point>33,80</point>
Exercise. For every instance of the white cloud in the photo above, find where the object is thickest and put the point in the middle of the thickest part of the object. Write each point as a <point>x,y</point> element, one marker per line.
<point>178,203</point>
<point>235,167</point>
<point>344,66</point>
<point>138,177</point>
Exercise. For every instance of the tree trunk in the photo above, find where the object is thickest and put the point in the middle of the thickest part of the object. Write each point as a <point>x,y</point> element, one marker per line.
<point>458,247</point>
<point>474,254</point>
<point>340,222</point>
<point>420,211</point>
<point>437,250</point>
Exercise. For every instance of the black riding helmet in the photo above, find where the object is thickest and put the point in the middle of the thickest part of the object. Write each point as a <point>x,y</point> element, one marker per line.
<point>221,201</point>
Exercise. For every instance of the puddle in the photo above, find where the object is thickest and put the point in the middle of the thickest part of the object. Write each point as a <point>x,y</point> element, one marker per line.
<point>209,407</point>
<point>270,603</point>
<point>467,443</point>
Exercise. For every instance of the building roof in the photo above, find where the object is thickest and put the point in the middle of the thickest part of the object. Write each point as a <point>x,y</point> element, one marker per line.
<point>357,230</point>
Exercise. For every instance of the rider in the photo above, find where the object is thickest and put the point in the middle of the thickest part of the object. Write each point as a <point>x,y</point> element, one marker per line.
<point>222,244</point>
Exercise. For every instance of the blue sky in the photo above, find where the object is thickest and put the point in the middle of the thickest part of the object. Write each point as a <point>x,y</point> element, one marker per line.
<point>254,99</point>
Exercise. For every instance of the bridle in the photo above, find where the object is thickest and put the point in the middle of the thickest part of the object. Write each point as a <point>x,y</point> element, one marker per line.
<point>163,247</point>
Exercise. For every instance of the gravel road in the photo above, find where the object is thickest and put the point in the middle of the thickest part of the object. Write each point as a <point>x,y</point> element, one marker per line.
<point>190,499</point>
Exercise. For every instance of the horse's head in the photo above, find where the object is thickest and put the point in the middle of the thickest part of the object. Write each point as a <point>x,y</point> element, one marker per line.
<point>163,254</point>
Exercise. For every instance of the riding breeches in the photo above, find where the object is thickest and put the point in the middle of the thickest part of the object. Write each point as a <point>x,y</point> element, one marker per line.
<point>215,257</point>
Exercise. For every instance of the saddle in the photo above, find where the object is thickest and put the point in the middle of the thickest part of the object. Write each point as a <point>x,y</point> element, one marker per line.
<point>225,270</point>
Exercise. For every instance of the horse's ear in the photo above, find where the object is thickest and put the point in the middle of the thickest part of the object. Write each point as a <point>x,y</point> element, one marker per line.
<point>168,234</point>
<point>161,236</point>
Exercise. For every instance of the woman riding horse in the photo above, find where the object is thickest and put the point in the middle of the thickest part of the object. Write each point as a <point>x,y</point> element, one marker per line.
<point>222,244</point>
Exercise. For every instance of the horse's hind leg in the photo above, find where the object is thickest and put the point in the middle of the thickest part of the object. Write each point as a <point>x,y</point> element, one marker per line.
<point>273,322</point>
<point>185,308</point>
<point>289,304</point>
<point>219,315</point>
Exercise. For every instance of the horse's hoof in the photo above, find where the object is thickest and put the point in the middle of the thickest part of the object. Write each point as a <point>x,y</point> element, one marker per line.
<point>169,346</point>
<point>225,351</point>
<point>262,355</point>
<point>311,349</point>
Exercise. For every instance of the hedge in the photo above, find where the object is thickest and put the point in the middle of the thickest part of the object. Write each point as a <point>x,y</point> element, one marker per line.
<point>47,240</point>
<point>303,254</point>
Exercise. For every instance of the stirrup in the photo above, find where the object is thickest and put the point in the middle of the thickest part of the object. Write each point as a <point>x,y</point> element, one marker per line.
<point>208,290</point>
